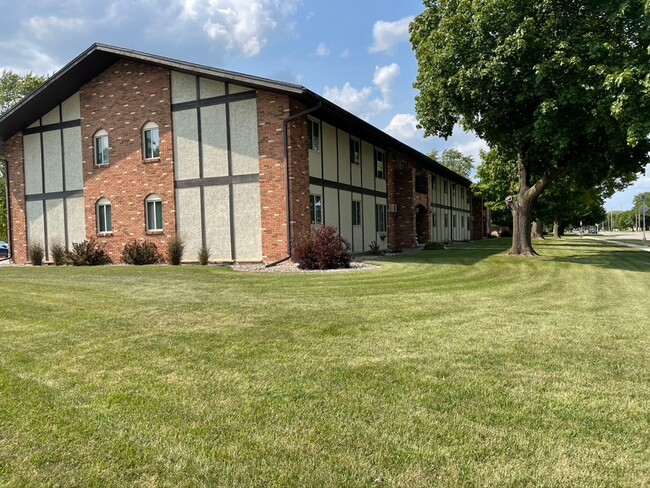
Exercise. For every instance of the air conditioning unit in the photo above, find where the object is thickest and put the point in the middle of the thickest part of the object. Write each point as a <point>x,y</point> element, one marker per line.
<point>392,208</point>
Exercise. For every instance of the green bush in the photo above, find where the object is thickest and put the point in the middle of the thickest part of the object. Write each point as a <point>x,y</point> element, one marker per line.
<point>140,253</point>
<point>87,253</point>
<point>204,255</point>
<point>37,253</point>
<point>322,248</point>
<point>433,246</point>
<point>58,253</point>
<point>175,250</point>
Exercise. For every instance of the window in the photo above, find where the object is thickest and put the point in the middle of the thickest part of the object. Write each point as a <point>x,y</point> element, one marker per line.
<point>433,183</point>
<point>101,148</point>
<point>151,140</point>
<point>445,187</point>
<point>446,220</point>
<point>453,191</point>
<point>380,213</point>
<point>462,221</point>
<point>380,164</point>
<point>154,213</point>
<point>453,220</point>
<point>356,212</point>
<point>433,220</point>
<point>316,209</point>
<point>355,151</point>
<point>104,216</point>
<point>313,130</point>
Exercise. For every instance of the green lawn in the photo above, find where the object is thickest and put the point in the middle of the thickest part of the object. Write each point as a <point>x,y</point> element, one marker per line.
<point>443,368</point>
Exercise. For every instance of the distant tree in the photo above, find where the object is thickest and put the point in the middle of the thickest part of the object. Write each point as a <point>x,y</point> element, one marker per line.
<point>457,162</point>
<point>497,178</point>
<point>556,84</point>
<point>13,88</point>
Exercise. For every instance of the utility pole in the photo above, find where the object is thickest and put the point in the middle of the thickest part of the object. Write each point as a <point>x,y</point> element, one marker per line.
<point>644,208</point>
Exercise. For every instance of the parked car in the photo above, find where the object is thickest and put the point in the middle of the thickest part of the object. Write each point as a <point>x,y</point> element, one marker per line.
<point>4,249</point>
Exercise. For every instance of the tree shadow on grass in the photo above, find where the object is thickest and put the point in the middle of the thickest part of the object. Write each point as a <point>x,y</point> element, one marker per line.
<point>461,253</point>
<point>609,257</point>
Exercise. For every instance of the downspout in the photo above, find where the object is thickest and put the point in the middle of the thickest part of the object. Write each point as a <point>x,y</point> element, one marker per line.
<point>285,139</point>
<point>8,203</point>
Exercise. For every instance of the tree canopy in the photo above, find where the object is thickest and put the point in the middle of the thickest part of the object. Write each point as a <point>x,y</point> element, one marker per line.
<point>456,161</point>
<point>13,88</point>
<point>557,84</point>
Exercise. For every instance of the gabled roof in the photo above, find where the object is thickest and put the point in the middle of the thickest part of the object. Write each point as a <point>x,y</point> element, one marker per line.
<point>99,57</point>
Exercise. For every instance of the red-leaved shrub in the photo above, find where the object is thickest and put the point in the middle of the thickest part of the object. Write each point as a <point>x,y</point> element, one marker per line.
<point>322,248</point>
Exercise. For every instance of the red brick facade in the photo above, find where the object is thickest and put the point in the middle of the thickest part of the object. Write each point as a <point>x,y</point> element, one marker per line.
<point>401,192</point>
<point>13,150</point>
<point>121,101</point>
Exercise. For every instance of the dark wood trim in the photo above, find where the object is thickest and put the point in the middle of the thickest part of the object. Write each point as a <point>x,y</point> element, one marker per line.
<point>36,197</point>
<point>231,196</point>
<point>218,181</point>
<point>209,102</point>
<point>346,187</point>
<point>50,127</point>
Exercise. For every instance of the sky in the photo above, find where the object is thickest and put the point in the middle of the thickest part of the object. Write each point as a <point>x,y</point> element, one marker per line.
<point>355,53</point>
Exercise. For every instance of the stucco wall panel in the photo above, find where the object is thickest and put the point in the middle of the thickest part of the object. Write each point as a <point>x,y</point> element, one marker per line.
<point>345,207</point>
<point>53,161</point>
<point>35,223</point>
<point>248,225</point>
<point>33,168</point>
<point>55,222</point>
<point>243,137</point>
<point>76,220</point>
<point>188,218</point>
<point>74,177</point>
<point>217,222</point>
<point>71,108</point>
<point>331,198</point>
<point>330,163</point>
<point>212,88</point>
<point>344,157</point>
<point>186,145</point>
<point>238,88</point>
<point>368,165</point>
<point>368,208</point>
<point>52,117</point>
<point>214,139</point>
<point>183,87</point>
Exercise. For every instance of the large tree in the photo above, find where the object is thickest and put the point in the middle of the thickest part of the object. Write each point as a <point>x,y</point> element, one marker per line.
<point>13,87</point>
<point>455,160</point>
<point>545,80</point>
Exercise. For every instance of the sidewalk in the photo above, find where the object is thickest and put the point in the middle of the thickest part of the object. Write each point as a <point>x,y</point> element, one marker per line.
<point>619,243</point>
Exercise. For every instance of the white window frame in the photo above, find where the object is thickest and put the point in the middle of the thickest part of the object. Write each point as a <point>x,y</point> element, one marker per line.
<point>380,174</point>
<point>316,213</point>
<point>381,223</point>
<point>355,156</point>
<point>356,213</point>
<point>152,128</point>
<point>99,137</point>
<point>107,219</point>
<point>155,200</point>
<point>314,135</point>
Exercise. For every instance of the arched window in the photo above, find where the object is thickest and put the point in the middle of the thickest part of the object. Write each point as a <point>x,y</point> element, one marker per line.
<point>102,156</point>
<point>151,141</point>
<point>104,216</point>
<point>153,205</point>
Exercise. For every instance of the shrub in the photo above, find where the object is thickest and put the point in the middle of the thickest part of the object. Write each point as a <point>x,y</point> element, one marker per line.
<point>433,246</point>
<point>175,249</point>
<point>140,253</point>
<point>57,251</point>
<point>37,253</point>
<point>322,248</point>
<point>374,249</point>
<point>87,253</point>
<point>204,255</point>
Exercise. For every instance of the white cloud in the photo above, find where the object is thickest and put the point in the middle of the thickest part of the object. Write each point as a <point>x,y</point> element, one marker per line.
<point>385,78</point>
<point>43,28</point>
<point>24,57</point>
<point>404,127</point>
<point>387,35</point>
<point>473,148</point>
<point>363,102</point>
<point>243,26</point>
<point>345,54</point>
<point>322,50</point>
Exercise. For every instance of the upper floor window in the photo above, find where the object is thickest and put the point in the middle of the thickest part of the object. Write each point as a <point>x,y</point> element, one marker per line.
<point>355,151</point>
<point>453,191</point>
<point>316,209</point>
<point>433,183</point>
<point>356,212</point>
<point>313,134</point>
<point>102,157</point>
<point>153,207</point>
<point>380,164</point>
<point>104,216</point>
<point>380,214</point>
<point>151,141</point>
<point>445,187</point>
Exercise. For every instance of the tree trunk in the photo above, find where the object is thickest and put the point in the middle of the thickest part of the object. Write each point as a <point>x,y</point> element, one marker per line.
<point>537,231</point>
<point>521,206</point>
<point>556,230</point>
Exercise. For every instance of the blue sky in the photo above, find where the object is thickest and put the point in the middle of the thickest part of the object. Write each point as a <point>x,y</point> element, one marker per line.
<point>355,53</point>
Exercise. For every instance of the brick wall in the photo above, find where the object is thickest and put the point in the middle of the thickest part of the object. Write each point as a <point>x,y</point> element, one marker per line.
<point>401,191</point>
<point>121,101</point>
<point>272,110</point>
<point>13,151</point>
